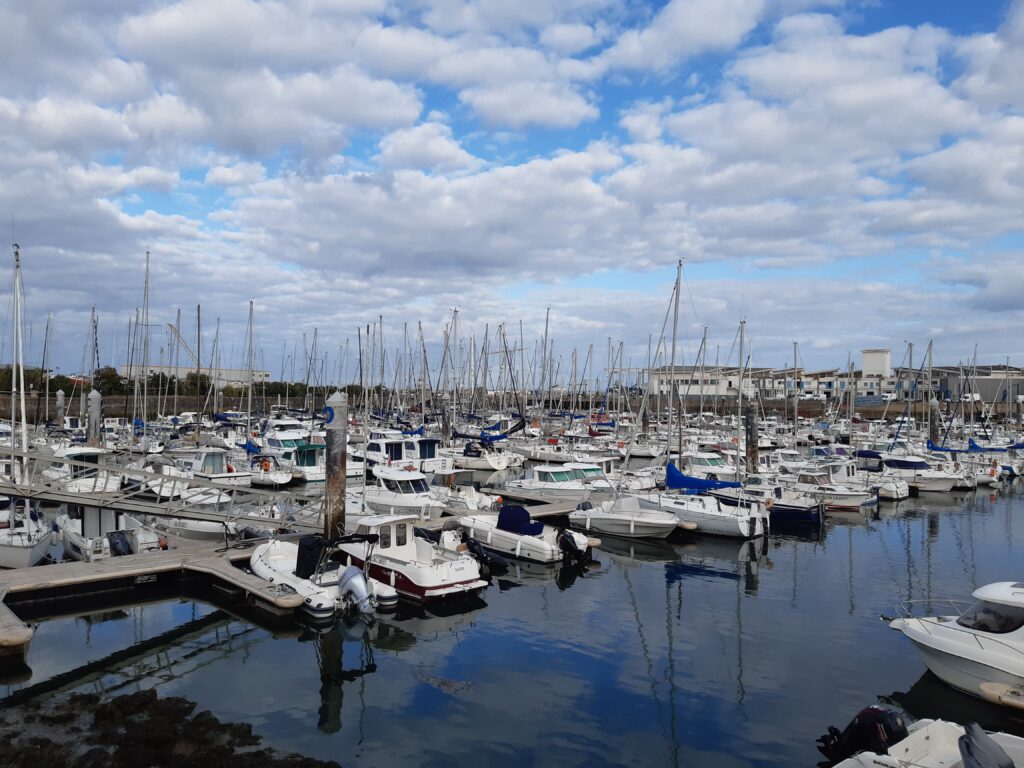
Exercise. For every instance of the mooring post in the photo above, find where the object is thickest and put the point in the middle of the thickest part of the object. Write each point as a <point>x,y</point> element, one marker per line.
<point>94,418</point>
<point>336,413</point>
<point>61,409</point>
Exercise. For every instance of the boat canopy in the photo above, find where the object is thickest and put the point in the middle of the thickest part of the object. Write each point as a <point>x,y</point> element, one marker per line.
<point>910,462</point>
<point>515,519</point>
<point>973,447</point>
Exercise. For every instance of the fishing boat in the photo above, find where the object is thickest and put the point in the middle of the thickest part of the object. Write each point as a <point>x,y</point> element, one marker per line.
<point>511,532</point>
<point>981,649</point>
<point>209,463</point>
<point>834,495</point>
<point>623,517</point>
<point>156,475</point>
<point>417,568</point>
<point>325,585</point>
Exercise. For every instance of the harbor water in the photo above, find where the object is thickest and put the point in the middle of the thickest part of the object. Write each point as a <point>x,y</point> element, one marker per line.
<point>699,652</point>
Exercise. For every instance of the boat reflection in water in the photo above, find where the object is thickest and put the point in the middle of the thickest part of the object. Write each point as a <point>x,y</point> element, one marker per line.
<point>931,698</point>
<point>330,656</point>
<point>639,550</point>
<point>714,557</point>
<point>521,573</point>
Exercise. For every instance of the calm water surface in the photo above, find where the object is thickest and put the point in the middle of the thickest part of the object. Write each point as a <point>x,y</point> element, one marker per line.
<point>699,652</point>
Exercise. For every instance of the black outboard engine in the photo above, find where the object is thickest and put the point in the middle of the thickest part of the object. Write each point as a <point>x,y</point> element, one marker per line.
<point>979,750</point>
<point>492,560</point>
<point>584,506</point>
<point>874,729</point>
<point>570,551</point>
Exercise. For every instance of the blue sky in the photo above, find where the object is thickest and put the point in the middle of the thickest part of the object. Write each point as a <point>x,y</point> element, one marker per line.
<point>842,173</point>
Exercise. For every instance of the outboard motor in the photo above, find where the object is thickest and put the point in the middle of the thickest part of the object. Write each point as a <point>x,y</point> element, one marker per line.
<point>584,506</point>
<point>874,729</point>
<point>354,589</point>
<point>570,549</point>
<point>979,750</point>
<point>492,560</point>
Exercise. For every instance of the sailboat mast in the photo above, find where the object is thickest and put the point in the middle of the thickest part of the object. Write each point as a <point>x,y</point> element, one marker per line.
<point>739,404</point>
<point>672,368</point>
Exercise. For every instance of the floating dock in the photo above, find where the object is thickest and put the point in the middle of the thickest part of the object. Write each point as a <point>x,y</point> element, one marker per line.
<point>32,587</point>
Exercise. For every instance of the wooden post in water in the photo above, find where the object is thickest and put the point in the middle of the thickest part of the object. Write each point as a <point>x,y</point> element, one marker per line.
<point>334,489</point>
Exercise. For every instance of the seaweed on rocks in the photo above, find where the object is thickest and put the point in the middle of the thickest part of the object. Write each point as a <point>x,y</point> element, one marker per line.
<point>131,731</point>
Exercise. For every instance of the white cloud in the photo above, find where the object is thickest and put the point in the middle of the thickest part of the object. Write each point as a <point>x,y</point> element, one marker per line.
<point>429,145</point>
<point>521,104</point>
<point>235,175</point>
<point>569,38</point>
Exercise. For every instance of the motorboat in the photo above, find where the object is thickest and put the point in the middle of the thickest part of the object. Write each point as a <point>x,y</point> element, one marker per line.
<point>326,585</point>
<point>918,473</point>
<point>881,736</point>
<point>783,504</point>
<point>709,514</point>
<point>393,447</point>
<point>640,446</point>
<point>513,533</point>
<point>623,517</point>
<point>156,475</point>
<point>79,469</point>
<point>310,464</point>
<point>417,568</point>
<point>708,466</point>
<point>981,649</point>
<point>91,534</point>
<point>210,463</point>
<point>593,477</point>
<point>554,482</point>
<point>477,455</point>
<point>820,486</point>
<point>456,489</point>
<point>401,490</point>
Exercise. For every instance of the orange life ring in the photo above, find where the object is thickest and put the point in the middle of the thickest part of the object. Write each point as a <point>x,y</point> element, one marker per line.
<point>992,472</point>
<point>622,443</point>
<point>734,440</point>
<point>266,465</point>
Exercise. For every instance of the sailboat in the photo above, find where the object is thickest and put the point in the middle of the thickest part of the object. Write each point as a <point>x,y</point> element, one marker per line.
<point>26,538</point>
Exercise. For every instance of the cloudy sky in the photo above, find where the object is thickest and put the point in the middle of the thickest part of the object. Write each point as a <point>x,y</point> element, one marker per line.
<point>843,174</point>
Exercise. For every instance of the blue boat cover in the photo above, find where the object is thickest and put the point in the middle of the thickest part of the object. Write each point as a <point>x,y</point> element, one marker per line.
<point>677,480</point>
<point>515,519</point>
<point>975,448</point>
<point>943,449</point>
<point>417,432</point>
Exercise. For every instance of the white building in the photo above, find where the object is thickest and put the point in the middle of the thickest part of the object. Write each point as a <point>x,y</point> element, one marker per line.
<point>222,377</point>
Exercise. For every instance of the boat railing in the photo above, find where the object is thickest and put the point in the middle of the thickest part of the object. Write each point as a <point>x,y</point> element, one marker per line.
<point>981,640</point>
<point>907,606</point>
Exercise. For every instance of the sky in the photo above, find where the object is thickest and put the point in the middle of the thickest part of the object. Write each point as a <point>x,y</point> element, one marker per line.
<point>844,174</point>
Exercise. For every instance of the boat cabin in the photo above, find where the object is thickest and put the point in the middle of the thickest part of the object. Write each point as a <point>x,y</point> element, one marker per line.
<point>999,609</point>
<point>401,480</point>
<point>396,535</point>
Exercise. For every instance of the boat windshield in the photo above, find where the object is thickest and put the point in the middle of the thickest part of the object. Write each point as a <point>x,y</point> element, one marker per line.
<point>583,474</point>
<point>992,617</point>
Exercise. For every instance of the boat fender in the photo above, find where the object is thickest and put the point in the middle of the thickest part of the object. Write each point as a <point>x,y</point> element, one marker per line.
<point>769,504</point>
<point>874,729</point>
<point>979,750</point>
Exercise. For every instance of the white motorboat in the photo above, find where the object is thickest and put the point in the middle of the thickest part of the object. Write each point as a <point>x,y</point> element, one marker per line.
<point>513,533</point>
<point>401,490</point>
<point>475,455</point>
<point>635,480</point>
<point>709,514</point>
<point>979,651</point>
<point>79,469</point>
<point>208,463</point>
<point>708,466</point>
<point>156,475</point>
<point>326,586</point>
<point>418,569</point>
<point>96,534</point>
<point>552,481</point>
<point>310,465</point>
<point>593,477</point>
<point>882,737</point>
<point>455,489</point>
<point>623,517</point>
<point>919,474</point>
<point>820,487</point>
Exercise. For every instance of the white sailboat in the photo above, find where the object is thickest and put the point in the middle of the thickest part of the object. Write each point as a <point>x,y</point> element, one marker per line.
<point>26,538</point>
